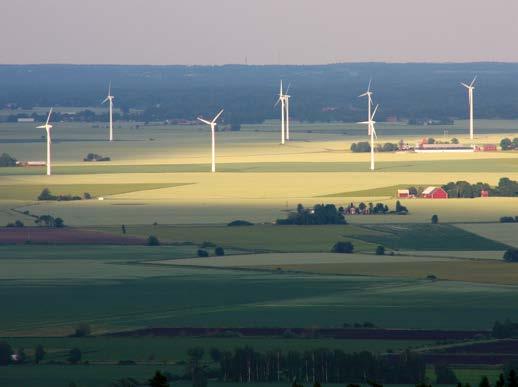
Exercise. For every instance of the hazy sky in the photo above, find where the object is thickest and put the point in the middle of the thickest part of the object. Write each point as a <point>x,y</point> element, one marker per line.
<point>264,31</point>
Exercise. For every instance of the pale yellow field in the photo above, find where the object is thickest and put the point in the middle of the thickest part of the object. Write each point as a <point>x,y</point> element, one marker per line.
<point>502,232</point>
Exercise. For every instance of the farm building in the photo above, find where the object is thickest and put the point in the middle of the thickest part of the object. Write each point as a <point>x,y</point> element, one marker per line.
<point>403,193</point>
<point>435,148</point>
<point>434,193</point>
<point>484,193</point>
<point>486,148</point>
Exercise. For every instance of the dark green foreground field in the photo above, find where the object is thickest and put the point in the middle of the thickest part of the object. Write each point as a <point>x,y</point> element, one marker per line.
<point>48,290</point>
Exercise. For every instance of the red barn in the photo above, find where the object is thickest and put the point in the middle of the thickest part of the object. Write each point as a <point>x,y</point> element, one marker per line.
<point>434,193</point>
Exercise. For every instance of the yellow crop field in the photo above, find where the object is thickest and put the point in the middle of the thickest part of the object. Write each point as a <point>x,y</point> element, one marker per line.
<point>502,232</point>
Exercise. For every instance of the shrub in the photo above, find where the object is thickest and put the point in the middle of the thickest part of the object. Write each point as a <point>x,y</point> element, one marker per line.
<point>7,161</point>
<point>239,223</point>
<point>74,356</point>
<point>380,250</point>
<point>46,195</point>
<point>153,241</point>
<point>511,255</point>
<point>219,251</point>
<point>59,223</point>
<point>83,330</point>
<point>435,219</point>
<point>343,248</point>
<point>202,253</point>
<point>87,195</point>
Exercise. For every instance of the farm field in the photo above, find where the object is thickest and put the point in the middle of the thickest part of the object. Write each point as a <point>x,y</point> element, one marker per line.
<point>158,184</point>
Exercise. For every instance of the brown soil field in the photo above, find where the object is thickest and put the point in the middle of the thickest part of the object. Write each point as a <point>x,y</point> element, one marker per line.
<point>45,235</point>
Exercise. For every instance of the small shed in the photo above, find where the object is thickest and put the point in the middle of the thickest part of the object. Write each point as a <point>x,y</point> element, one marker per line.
<point>434,193</point>
<point>403,193</point>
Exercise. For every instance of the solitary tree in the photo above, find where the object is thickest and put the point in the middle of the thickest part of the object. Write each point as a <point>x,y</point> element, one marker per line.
<point>435,219</point>
<point>74,356</point>
<point>39,353</point>
<point>153,241</point>
<point>159,380</point>
<point>380,250</point>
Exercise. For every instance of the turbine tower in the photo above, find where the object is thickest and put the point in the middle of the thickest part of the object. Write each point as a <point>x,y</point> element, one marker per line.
<point>287,107</point>
<point>213,132</point>
<point>470,89</point>
<point>109,99</point>
<point>372,133</point>
<point>368,94</point>
<point>47,128</point>
<point>283,100</point>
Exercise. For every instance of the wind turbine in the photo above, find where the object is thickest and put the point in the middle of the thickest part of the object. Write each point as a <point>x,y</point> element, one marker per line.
<point>109,99</point>
<point>368,94</point>
<point>47,128</point>
<point>287,102</point>
<point>282,99</point>
<point>372,133</point>
<point>470,89</point>
<point>213,132</point>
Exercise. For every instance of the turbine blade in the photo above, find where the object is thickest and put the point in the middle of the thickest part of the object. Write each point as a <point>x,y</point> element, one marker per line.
<point>280,91</point>
<point>362,95</point>
<point>374,132</point>
<point>374,112</point>
<point>466,86</point>
<point>288,89</point>
<point>217,116</point>
<point>105,100</point>
<point>40,127</point>
<point>204,121</point>
<point>473,81</point>
<point>48,117</point>
<point>369,87</point>
<point>110,88</point>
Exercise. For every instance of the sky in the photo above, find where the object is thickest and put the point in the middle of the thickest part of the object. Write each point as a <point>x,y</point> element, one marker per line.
<point>214,32</point>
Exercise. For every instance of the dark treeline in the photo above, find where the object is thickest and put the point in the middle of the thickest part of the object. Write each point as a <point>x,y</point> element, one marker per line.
<point>417,92</point>
<point>463,189</point>
<point>319,214</point>
<point>328,366</point>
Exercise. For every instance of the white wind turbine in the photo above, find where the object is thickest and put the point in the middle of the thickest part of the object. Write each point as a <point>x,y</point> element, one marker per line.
<point>283,100</point>
<point>109,99</point>
<point>47,128</point>
<point>372,133</point>
<point>213,132</point>
<point>470,89</point>
<point>368,94</point>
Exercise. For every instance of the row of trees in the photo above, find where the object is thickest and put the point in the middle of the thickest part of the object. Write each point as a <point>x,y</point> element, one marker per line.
<point>463,189</point>
<point>364,146</point>
<point>47,195</point>
<point>319,214</point>
<point>329,366</point>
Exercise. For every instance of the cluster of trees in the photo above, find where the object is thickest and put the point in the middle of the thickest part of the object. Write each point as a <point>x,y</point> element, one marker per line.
<point>246,365</point>
<point>364,146</point>
<point>47,195</point>
<point>8,355</point>
<point>319,214</point>
<point>218,251</point>
<point>508,144</point>
<point>343,247</point>
<point>6,160</point>
<point>511,255</point>
<point>373,209</point>
<point>509,219</point>
<point>96,157</point>
<point>463,189</point>
<point>49,221</point>
<point>18,223</point>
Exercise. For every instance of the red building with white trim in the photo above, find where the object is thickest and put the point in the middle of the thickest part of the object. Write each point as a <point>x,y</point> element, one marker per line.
<point>434,193</point>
